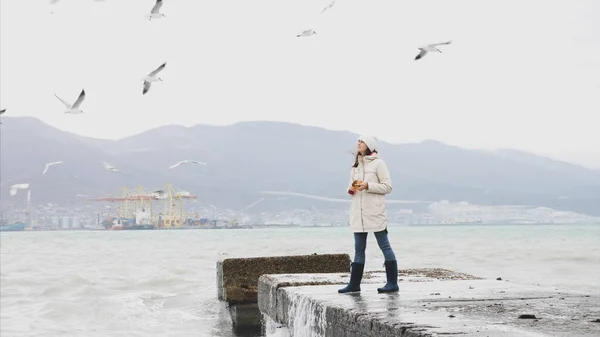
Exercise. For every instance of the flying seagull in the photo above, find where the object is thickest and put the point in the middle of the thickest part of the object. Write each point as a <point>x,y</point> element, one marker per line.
<point>152,78</point>
<point>155,12</point>
<point>187,162</point>
<point>306,33</point>
<point>430,48</point>
<point>14,189</point>
<point>109,167</point>
<point>328,6</point>
<point>73,109</point>
<point>50,164</point>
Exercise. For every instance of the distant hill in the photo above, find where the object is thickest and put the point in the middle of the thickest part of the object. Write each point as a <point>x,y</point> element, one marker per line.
<point>249,157</point>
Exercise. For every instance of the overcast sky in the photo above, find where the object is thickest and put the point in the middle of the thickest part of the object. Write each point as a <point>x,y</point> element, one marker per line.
<point>520,74</point>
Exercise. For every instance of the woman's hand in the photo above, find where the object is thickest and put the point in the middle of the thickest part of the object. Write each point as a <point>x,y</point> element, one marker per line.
<point>363,186</point>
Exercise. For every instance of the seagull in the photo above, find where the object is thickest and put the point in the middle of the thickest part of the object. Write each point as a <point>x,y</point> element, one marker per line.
<point>109,167</point>
<point>14,189</point>
<point>152,78</point>
<point>328,6</point>
<point>430,48</point>
<point>50,164</point>
<point>306,33</point>
<point>73,109</point>
<point>2,113</point>
<point>155,12</point>
<point>187,162</point>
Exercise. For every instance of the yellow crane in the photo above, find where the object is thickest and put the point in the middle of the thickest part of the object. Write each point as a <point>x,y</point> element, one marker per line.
<point>173,215</point>
<point>139,199</point>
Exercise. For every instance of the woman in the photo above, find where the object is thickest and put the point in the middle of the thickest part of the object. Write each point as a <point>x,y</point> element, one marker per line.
<point>369,182</point>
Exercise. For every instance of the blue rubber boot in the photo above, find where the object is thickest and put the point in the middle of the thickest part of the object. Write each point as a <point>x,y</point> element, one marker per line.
<point>356,273</point>
<point>391,273</point>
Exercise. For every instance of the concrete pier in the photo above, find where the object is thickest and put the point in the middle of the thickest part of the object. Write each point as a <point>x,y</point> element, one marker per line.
<point>431,302</point>
<point>237,282</point>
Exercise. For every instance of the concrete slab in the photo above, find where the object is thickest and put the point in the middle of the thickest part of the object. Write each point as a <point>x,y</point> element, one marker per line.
<point>429,303</point>
<point>237,278</point>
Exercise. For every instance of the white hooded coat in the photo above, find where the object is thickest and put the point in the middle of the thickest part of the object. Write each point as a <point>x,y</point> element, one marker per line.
<point>367,210</point>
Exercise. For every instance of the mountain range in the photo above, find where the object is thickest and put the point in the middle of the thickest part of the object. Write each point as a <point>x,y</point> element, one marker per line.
<point>246,158</point>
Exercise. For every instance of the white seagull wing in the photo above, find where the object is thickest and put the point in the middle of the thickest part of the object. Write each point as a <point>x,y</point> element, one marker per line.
<point>79,99</point>
<point>441,43</point>
<point>157,6</point>
<point>175,165</point>
<point>67,104</point>
<point>147,86</point>
<point>328,6</point>
<point>197,162</point>
<point>54,163</point>
<point>16,187</point>
<point>157,70</point>
<point>421,54</point>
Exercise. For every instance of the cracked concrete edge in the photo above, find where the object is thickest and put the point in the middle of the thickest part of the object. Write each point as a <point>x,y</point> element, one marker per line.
<point>280,305</point>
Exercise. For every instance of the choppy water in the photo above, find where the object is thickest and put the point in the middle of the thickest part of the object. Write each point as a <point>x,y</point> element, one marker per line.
<point>163,283</point>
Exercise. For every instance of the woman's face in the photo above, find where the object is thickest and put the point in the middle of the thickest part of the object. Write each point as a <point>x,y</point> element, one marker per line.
<point>361,147</point>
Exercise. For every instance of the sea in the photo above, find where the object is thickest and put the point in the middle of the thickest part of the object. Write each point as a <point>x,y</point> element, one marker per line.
<point>163,283</point>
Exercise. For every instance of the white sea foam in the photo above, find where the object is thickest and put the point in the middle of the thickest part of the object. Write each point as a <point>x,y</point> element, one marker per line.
<point>306,318</point>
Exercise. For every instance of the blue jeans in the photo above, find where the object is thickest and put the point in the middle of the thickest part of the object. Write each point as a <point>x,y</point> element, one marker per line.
<point>360,244</point>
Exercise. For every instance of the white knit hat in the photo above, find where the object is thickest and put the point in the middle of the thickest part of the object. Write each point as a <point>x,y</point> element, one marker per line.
<point>370,141</point>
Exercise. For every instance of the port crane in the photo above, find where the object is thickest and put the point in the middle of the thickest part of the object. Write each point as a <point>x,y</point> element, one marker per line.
<point>132,201</point>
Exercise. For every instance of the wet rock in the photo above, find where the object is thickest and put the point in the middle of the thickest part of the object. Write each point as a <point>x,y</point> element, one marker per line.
<point>499,279</point>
